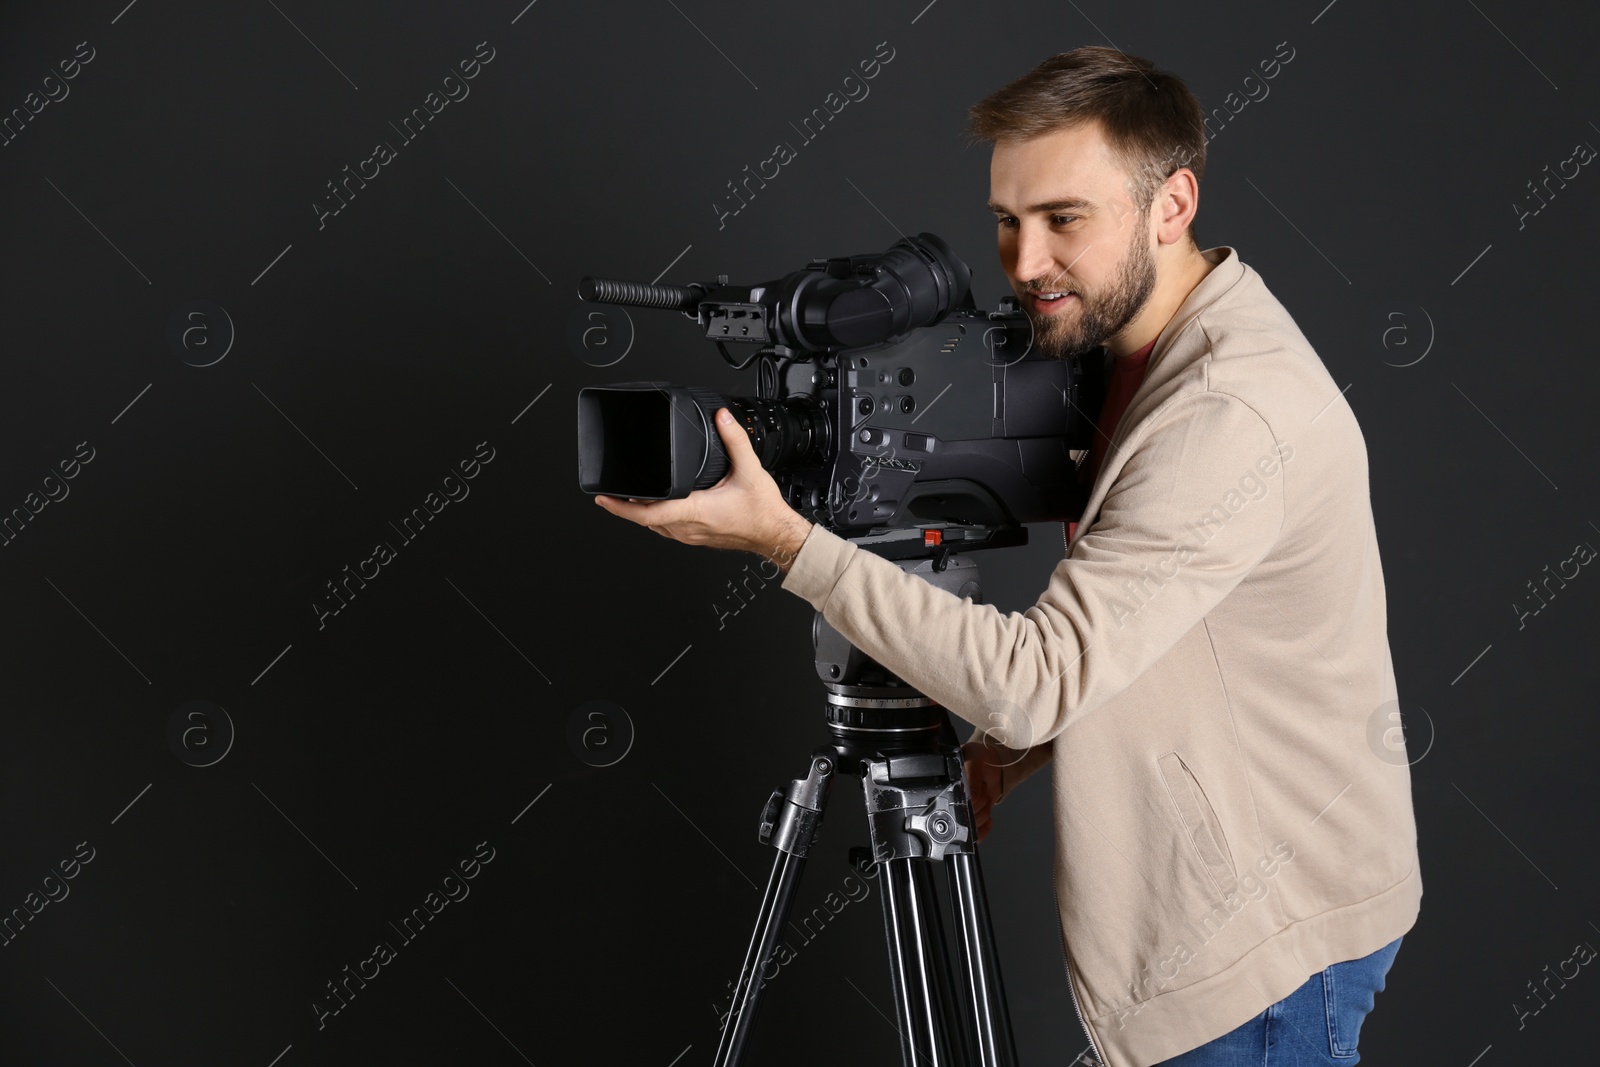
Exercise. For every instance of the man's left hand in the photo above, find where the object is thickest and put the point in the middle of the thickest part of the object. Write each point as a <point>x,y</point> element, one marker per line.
<point>744,511</point>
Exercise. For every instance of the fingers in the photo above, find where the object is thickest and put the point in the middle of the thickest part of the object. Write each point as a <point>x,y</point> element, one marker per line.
<point>652,513</point>
<point>734,438</point>
<point>979,789</point>
<point>982,789</point>
<point>980,800</point>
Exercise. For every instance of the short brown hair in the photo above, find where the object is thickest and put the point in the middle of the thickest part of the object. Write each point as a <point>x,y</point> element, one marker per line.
<point>1152,122</point>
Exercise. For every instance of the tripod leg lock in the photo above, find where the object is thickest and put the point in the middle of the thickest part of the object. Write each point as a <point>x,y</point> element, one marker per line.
<point>939,828</point>
<point>789,821</point>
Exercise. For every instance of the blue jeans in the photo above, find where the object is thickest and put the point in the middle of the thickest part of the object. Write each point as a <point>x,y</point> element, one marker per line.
<point>1315,1026</point>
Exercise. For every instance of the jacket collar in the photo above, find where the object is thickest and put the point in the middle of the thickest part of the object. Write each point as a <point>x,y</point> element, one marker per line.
<point>1165,365</point>
<point>1226,272</point>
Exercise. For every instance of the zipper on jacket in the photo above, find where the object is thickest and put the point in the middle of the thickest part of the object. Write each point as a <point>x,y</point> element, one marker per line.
<point>1083,1020</point>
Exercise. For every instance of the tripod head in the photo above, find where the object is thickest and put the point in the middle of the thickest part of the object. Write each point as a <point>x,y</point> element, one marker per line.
<point>872,713</point>
<point>936,554</point>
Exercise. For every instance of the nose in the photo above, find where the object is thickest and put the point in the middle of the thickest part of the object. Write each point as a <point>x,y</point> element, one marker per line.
<point>1033,258</point>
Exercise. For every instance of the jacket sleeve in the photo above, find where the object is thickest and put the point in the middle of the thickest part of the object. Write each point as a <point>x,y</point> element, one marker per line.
<point>1192,510</point>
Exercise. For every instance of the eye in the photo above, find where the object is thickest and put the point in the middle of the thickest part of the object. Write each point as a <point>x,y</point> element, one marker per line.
<point>1005,221</point>
<point>1062,220</point>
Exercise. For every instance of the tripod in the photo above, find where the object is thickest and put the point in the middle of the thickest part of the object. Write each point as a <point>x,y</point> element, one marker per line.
<point>950,1011</point>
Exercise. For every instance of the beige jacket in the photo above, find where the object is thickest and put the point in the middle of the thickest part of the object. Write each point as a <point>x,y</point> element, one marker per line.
<point>1208,670</point>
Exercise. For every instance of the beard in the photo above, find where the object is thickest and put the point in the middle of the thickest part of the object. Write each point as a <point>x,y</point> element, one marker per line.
<point>1064,335</point>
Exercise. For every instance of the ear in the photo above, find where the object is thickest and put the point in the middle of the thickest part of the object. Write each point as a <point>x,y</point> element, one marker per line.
<point>1176,203</point>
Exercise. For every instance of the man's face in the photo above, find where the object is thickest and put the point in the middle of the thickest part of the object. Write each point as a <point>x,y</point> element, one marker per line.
<point>1068,224</point>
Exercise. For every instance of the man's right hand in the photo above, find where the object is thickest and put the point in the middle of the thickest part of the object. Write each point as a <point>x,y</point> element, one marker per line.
<point>982,764</point>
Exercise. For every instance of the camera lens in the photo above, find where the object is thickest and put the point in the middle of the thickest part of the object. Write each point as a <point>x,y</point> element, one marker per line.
<point>654,440</point>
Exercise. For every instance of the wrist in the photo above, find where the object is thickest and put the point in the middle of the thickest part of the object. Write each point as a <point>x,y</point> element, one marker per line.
<point>786,543</point>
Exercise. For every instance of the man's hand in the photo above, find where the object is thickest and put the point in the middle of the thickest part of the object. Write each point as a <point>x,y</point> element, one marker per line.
<point>744,511</point>
<point>983,765</point>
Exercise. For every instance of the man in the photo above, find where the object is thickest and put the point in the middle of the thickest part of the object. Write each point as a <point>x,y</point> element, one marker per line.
<point>1236,860</point>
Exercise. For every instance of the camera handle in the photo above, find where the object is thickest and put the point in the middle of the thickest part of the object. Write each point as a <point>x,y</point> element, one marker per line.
<point>950,1010</point>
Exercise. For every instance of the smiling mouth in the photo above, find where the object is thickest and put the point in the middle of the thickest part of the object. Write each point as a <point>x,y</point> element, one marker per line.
<point>1051,301</point>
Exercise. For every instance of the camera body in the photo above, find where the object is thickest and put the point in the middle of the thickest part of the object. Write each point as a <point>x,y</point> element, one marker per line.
<point>885,400</point>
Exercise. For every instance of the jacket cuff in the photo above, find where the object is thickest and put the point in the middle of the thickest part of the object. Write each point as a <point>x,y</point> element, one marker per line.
<point>817,567</point>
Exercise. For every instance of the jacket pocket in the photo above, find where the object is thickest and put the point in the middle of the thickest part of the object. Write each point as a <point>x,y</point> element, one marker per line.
<point>1199,822</point>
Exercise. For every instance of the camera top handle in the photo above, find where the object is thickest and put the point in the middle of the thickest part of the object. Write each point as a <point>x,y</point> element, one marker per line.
<point>831,304</point>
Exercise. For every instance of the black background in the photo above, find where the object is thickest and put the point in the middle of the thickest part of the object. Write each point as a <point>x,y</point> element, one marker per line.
<point>1374,188</point>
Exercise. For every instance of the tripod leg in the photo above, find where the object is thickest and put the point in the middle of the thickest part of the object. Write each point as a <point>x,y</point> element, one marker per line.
<point>954,1025</point>
<point>923,1041</point>
<point>775,906</point>
<point>788,823</point>
<point>919,814</point>
<point>996,1047</point>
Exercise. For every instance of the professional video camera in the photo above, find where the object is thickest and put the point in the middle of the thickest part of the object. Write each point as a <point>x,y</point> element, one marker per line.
<point>884,399</point>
